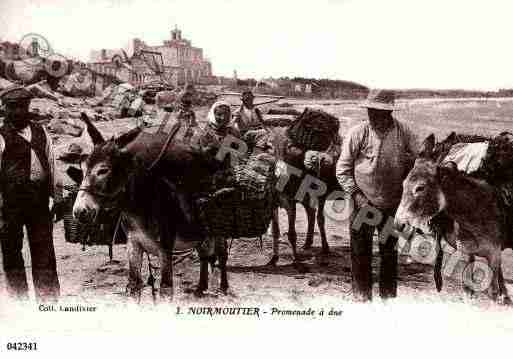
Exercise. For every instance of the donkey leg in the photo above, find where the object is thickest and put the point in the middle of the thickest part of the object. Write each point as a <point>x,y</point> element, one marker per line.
<point>310,214</point>
<point>321,223</point>
<point>506,300</point>
<point>291,214</point>
<point>495,265</point>
<point>275,224</point>
<point>438,270</point>
<point>222,254</point>
<point>438,263</point>
<point>468,277</point>
<point>166,275</point>
<point>203,253</point>
<point>135,258</point>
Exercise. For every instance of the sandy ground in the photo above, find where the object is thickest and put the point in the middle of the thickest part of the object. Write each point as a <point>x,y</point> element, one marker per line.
<point>87,275</point>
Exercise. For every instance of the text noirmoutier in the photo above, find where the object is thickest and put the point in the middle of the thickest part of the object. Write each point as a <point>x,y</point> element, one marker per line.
<point>255,311</point>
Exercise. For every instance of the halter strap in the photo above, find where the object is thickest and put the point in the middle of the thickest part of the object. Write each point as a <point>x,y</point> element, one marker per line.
<point>104,195</point>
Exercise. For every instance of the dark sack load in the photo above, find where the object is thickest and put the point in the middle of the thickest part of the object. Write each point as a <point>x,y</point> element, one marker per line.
<point>101,232</point>
<point>498,162</point>
<point>489,159</point>
<point>314,130</point>
<point>246,209</point>
<point>498,169</point>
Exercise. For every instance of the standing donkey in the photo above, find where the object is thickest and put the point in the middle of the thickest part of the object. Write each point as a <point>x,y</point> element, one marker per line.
<point>156,202</point>
<point>289,156</point>
<point>432,188</point>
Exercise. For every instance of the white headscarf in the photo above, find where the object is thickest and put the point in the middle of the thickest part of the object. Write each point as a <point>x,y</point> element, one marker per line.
<point>211,118</point>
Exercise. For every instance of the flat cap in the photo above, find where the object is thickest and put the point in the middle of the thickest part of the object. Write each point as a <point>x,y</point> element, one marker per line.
<point>15,94</point>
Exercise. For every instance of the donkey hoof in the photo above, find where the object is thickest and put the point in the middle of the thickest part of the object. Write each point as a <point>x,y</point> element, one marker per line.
<point>199,292</point>
<point>273,261</point>
<point>307,246</point>
<point>438,282</point>
<point>224,290</point>
<point>469,292</point>
<point>166,293</point>
<point>504,300</point>
<point>133,294</point>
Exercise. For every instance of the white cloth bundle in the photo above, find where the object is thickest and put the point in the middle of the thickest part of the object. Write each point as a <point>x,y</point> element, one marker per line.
<point>467,156</point>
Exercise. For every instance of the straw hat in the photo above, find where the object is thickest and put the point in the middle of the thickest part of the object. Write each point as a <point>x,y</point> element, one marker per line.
<point>380,100</point>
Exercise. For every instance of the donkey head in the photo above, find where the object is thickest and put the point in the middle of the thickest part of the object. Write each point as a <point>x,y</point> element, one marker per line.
<point>422,196</point>
<point>107,172</point>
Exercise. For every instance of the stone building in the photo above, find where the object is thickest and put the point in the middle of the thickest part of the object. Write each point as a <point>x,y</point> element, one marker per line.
<point>175,61</point>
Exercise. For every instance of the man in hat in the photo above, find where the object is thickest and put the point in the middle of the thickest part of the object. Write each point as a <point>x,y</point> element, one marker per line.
<point>27,180</point>
<point>248,116</point>
<point>376,157</point>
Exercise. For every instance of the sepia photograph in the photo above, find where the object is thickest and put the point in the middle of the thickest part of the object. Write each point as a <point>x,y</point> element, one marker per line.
<point>252,178</point>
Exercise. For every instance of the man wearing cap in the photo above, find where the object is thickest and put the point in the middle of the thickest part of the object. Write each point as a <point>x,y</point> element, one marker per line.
<point>248,116</point>
<point>376,157</point>
<point>27,180</point>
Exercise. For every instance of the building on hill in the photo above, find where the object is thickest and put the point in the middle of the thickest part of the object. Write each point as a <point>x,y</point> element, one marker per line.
<point>176,61</point>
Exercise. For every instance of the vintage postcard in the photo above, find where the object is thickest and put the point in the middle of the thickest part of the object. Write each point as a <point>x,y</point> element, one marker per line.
<point>298,177</point>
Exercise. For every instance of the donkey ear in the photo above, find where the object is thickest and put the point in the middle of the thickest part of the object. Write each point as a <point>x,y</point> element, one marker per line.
<point>127,137</point>
<point>93,132</point>
<point>427,147</point>
<point>451,137</point>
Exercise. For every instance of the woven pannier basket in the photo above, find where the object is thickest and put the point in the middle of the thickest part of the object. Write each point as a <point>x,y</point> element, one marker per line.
<point>247,211</point>
<point>314,130</point>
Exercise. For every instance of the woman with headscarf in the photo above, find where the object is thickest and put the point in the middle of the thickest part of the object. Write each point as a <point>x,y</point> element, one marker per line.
<point>222,182</point>
<point>211,139</point>
<point>218,125</point>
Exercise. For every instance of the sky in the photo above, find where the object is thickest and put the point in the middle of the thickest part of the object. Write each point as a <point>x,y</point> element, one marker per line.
<point>386,44</point>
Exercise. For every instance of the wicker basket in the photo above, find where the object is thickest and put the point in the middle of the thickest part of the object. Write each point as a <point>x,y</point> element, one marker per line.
<point>314,130</point>
<point>234,217</point>
<point>255,177</point>
<point>247,210</point>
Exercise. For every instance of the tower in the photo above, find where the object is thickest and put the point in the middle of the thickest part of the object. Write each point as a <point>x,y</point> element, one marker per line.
<point>34,47</point>
<point>176,34</point>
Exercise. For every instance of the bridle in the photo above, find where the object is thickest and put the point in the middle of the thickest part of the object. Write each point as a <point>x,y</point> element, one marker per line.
<point>103,195</point>
<point>110,200</point>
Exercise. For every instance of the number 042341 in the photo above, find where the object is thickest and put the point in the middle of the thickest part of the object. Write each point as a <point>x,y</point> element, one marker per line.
<point>22,346</point>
